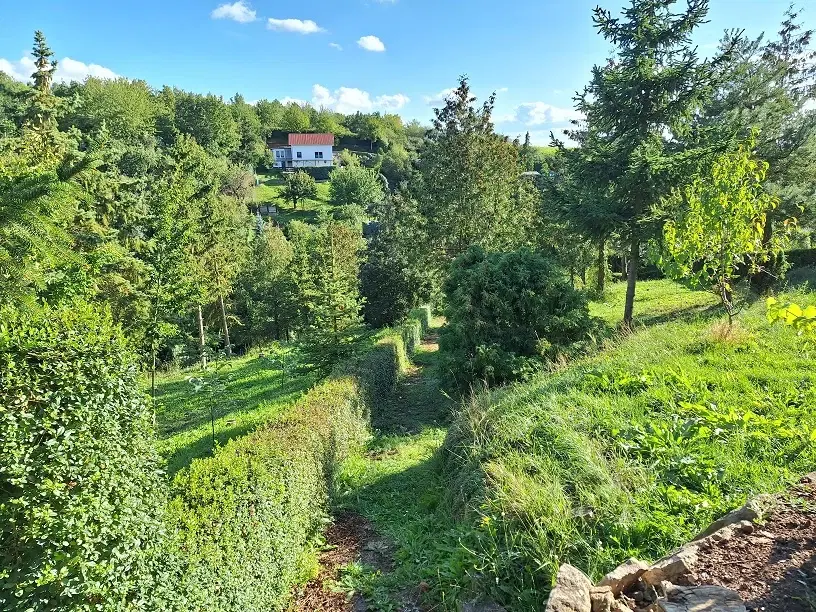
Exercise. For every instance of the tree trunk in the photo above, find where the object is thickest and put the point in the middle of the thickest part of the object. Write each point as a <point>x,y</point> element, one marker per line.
<point>601,285</point>
<point>631,281</point>
<point>225,326</point>
<point>202,339</point>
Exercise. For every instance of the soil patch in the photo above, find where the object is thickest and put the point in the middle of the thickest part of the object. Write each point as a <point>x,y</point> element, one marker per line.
<point>350,538</point>
<point>773,568</point>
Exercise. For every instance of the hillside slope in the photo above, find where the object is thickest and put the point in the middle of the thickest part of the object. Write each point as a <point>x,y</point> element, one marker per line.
<point>631,451</point>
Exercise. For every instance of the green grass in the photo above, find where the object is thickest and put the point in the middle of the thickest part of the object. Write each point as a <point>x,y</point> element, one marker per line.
<point>626,452</point>
<point>269,192</point>
<point>631,451</point>
<point>398,485</point>
<point>244,393</point>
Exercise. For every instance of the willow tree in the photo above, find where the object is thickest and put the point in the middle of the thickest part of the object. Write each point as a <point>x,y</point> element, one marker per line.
<point>639,110</point>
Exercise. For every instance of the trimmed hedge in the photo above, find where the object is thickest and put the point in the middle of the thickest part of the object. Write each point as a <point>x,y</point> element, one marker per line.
<point>81,493</point>
<point>245,519</point>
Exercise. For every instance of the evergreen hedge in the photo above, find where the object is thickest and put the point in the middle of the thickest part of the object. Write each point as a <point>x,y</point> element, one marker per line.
<point>245,519</point>
<point>81,493</point>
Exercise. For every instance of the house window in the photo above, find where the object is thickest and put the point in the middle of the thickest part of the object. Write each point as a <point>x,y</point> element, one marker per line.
<point>299,155</point>
<point>318,154</point>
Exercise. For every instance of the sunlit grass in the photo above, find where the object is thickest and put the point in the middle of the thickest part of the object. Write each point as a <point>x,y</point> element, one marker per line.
<point>243,394</point>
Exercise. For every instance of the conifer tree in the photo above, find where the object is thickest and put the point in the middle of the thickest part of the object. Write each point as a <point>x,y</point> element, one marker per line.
<point>639,109</point>
<point>468,177</point>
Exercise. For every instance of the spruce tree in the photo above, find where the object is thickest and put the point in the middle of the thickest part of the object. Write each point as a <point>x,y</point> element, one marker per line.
<point>468,175</point>
<point>639,108</point>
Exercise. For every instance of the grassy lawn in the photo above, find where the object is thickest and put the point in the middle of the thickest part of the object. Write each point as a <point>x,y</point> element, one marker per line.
<point>269,192</point>
<point>631,451</point>
<point>628,452</point>
<point>243,393</point>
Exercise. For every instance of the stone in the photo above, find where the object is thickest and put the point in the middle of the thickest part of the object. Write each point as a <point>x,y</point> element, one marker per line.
<point>571,591</point>
<point>624,576</point>
<point>706,598</point>
<point>601,598</point>
<point>751,511</point>
<point>672,568</point>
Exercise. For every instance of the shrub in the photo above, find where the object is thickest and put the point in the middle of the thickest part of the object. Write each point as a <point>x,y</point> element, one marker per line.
<point>245,518</point>
<point>319,173</point>
<point>80,490</point>
<point>507,312</point>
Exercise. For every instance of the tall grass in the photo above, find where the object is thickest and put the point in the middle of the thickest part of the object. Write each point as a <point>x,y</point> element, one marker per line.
<point>632,451</point>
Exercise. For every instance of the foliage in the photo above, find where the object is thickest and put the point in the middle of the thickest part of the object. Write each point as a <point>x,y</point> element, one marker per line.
<point>82,496</point>
<point>355,185</point>
<point>326,266</point>
<point>467,177</point>
<point>394,278</point>
<point>266,291</point>
<point>630,452</point>
<point>768,84</point>
<point>718,229</point>
<point>635,142</point>
<point>244,518</point>
<point>298,186</point>
<point>507,313</point>
<point>803,320</point>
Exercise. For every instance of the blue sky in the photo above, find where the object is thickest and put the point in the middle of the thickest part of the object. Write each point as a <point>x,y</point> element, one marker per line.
<point>395,55</point>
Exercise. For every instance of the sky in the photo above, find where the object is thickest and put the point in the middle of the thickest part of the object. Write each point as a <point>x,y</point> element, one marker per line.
<point>387,55</point>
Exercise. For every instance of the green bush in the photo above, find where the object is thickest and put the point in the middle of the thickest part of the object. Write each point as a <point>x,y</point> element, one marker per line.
<point>506,314</point>
<point>244,521</point>
<point>244,518</point>
<point>81,494</point>
<point>319,173</point>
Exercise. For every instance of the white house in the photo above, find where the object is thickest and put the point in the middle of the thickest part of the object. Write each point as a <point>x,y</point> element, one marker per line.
<point>305,150</point>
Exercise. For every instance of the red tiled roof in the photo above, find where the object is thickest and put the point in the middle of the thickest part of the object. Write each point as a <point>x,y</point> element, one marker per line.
<point>311,139</point>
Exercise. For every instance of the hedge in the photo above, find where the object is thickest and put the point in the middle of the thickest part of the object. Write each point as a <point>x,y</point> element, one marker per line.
<point>244,520</point>
<point>81,493</point>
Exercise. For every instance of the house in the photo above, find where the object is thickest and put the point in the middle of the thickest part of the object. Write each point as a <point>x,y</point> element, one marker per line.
<point>305,151</point>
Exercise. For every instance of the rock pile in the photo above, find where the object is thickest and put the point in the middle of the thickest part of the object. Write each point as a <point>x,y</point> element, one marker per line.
<point>664,586</point>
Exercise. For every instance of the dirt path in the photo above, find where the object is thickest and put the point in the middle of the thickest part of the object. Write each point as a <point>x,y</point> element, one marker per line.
<point>383,508</point>
<point>774,568</point>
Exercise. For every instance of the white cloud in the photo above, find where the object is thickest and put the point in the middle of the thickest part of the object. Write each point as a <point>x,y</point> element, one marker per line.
<point>299,26</point>
<point>502,90</point>
<point>349,100</point>
<point>297,101</point>
<point>371,43</point>
<point>237,11</point>
<point>334,45</point>
<point>67,70</point>
<point>439,98</point>
<point>538,113</point>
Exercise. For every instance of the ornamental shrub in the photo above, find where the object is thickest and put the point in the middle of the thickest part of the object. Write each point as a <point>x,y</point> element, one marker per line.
<point>81,494</point>
<point>243,520</point>
<point>507,313</point>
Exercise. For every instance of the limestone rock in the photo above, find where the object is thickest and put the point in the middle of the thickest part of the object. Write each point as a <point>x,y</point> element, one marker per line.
<point>624,576</point>
<point>672,568</point>
<point>602,598</point>
<point>571,591</point>
<point>708,598</point>
<point>751,511</point>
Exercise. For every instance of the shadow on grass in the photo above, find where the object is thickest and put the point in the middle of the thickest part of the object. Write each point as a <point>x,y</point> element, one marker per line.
<point>418,400</point>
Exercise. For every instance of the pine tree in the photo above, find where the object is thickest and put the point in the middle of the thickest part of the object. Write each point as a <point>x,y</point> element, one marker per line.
<point>40,130</point>
<point>468,176</point>
<point>639,108</point>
